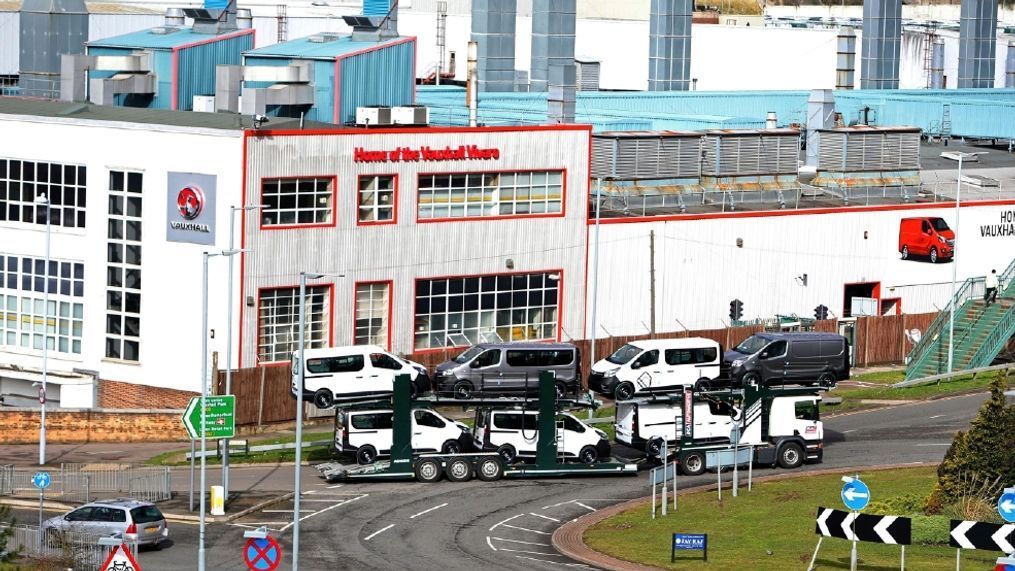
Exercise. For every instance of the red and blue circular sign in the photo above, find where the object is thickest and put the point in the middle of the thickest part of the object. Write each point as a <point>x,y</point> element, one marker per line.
<point>262,554</point>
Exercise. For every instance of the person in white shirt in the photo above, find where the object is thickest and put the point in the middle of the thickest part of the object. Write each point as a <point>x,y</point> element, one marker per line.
<point>990,288</point>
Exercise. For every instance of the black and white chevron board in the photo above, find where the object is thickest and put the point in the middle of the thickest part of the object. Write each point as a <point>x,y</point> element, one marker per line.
<point>888,529</point>
<point>981,535</point>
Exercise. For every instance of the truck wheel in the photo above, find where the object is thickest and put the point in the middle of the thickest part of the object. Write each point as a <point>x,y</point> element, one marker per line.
<point>588,455</point>
<point>366,455</point>
<point>654,446</point>
<point>490,469</point>
<point>463,390</point>
<point>826,379</point>
<point>623,391</point>
<point>451,447</point>
<point>561,389</point>
<point>693,464</point>
<point>507,452</point>
<point>428,470</point>
<point>459,470</point>
<point>750,379</point>
<point>323,398</point>
<point>905,252</point>
<point>791,455</point>
<point>933,254</point>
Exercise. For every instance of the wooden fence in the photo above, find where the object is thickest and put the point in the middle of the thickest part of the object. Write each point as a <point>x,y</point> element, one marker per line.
<point>263,394</point>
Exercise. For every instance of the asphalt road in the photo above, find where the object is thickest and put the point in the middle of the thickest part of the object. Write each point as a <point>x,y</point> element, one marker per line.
<point>507,524</point>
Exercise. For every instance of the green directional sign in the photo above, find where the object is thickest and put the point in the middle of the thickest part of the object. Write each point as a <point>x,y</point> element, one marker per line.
<point>219,417</point>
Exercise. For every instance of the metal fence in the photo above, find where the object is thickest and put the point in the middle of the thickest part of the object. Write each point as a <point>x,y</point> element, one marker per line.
<point>86,482</point>
<point>73,550</point>
<point>6,479</point>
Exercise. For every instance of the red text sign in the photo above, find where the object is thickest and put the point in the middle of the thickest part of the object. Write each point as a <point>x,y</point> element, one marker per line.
<point>408,154</point>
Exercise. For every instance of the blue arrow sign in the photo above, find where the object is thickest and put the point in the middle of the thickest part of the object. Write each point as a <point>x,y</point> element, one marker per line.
<point>41,480</point>
<point>1006,505</point>
<point>856,495</point>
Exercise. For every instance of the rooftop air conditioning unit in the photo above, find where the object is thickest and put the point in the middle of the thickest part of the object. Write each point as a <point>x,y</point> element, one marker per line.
<point>410,115</point>
<point>373,116</point>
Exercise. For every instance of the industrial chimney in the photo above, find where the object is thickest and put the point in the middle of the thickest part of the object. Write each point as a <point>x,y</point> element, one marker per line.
<point>493,30</point>
<point>882,44</point>
<point>669,47</point>
<point>553,24</point>
<point>977,36</point>
<point>845,59</point>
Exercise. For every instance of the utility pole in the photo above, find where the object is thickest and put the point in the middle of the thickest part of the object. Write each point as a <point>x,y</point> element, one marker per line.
<point>652,280</point>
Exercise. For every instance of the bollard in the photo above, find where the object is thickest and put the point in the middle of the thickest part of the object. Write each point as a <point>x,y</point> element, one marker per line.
<point>217,500</point>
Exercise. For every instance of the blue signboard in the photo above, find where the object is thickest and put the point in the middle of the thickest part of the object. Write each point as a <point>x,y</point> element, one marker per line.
<point>689,541</point>
<point>41,480</point>
<point>1006,505</point>
<point>855,494</point>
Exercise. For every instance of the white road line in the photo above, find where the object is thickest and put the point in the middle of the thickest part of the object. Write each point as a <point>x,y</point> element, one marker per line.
<point>286,511</point>
<point>496,525</point>
<point>257,524</point>
<point>935,416</point>
<point>335,486</point>
<point>349,501</point>
<point>311,492</point>
<point>414,516</point>
<point>530,552</point>
<point>577,503</point>
<point>488,542</point>
<point>581,565</point>
<point>319,499</point>
<point>848,431</point>
<point>545,517</point>
<point>526,529</point>
<point>378,532</point>
<point>520,541</point>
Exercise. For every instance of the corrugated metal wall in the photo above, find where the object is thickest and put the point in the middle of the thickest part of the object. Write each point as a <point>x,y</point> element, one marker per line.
<point>493,30</point>
<point>9,31</point>
<point>851,151</point>
<point>379,77</point>
<point>197,66</point>
<point>648,156</point>
<point>408,250</point>
<point>751,154</point>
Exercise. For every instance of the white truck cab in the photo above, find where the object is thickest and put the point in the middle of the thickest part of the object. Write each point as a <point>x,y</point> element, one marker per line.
<point>656,365</point>
<point>514,433</point>
<point>367,434</point>
<point>355,372</point>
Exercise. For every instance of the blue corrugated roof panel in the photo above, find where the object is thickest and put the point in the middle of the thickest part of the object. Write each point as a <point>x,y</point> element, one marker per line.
<point>303,48</point>
<point>146,39</point>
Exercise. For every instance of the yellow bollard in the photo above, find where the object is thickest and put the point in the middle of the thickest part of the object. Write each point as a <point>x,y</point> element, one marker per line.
<point>218,500</point>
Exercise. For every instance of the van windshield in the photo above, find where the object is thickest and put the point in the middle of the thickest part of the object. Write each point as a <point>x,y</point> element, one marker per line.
<point>469,355</point>
<point>939,224</point>
<point>752,345</point>
<point>624,355</point>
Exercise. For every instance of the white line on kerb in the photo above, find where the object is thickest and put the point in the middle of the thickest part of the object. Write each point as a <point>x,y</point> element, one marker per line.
<point>378,532</point>
<point>414,516</point>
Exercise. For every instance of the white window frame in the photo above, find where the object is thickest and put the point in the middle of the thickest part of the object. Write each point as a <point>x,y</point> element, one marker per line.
<point>493,194</point>
<point>370,199</point>
<point>308,201</point>
<point>278,319</point>
<point>124,231</point>
<point>18,192</point>
<point>372,317</point>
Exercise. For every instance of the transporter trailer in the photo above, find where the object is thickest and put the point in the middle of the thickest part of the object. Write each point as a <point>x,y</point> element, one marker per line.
<point>405,464</point>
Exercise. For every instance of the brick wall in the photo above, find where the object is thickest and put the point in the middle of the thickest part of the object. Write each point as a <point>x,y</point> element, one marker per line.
<point>21,426</point>
<point>114,394</point>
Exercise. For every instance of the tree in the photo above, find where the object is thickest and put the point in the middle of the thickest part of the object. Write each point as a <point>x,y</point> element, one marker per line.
<point>6,532</point>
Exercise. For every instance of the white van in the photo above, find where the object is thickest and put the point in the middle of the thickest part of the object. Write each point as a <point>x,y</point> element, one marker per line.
<point>352,373</point>
<point>656,365</point>
<point>515,433</point>
<point>367,434</point>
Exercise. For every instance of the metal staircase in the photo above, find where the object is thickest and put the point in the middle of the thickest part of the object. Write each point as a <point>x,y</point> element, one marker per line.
<point>981,331</point>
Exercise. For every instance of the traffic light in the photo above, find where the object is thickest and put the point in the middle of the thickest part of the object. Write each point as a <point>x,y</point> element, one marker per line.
<point>820,312</point>
<point>736,309</point>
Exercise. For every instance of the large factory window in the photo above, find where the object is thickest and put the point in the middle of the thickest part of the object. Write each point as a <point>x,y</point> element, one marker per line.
<point>460,311</point>
<point>123,270</point>
<point>373,315</point>
<point>24,322</point>
<point>278,321</point>
<point>479,195</point>
<point>302,201</point>
<point>22,182</point>
<point>376,199</point>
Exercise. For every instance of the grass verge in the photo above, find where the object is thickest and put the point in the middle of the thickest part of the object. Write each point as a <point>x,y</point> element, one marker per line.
<point>314,453</point>
<point>878,387</point>
<point>772,527</point>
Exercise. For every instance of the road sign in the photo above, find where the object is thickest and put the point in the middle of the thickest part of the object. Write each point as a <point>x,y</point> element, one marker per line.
<point>855,494</point>
<point>120,559</point>
<point>1006,505</point>
<point>888,529</point>
<point>262,554</point>
<point>41,480</point>
<point>220,417</point>
<point>980,535</point>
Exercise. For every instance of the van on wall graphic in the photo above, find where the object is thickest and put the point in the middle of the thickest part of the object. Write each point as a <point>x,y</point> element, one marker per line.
<point>926,239</point>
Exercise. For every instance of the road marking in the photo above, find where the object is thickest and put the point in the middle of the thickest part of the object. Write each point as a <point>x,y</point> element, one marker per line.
<point>526,529</point>
<point>488,542</point>
<point>582,565</point>
<point>848,431</point>
<point>378,532</point>
<point>286,511</point>
<point>584,506</point>
<point>545,517</point>
<point>520,541</point>
<point>496,525</point>
<point>335,486</point>
<point>414,516</point>
<point>936,444</point>
<point>311,492</point>
<point>530,552</point>
<point>257,524</point>
<point>935,416</point>
<point>342,503</point>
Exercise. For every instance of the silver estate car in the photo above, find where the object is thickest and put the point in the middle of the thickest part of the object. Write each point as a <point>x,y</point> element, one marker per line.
<point>132,519</point>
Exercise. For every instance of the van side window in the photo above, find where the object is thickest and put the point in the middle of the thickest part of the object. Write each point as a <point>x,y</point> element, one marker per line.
<point>518,358</point>
<point>925,226</point>
<point>382,361</point>
<point>491,357</point>
<point>556,358</point>
<point>776,349</point>
<point>807,410</point>
<point>508,421</point>
<point>344,364</point>
<point>378,421</point>
<point>807,349</point>
<point>690,356</point>
<point>427,418</point>
<point>648,358</point>
<point>571,424</point>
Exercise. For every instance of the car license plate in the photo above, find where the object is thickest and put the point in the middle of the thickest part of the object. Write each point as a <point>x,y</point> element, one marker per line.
<point>152,529</point>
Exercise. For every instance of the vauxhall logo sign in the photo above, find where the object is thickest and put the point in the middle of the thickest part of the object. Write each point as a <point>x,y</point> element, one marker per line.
<point>190,208</point>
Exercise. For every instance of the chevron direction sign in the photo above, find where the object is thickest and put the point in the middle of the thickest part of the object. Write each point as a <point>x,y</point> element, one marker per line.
<point>889,529</point>
<point>980,535</point>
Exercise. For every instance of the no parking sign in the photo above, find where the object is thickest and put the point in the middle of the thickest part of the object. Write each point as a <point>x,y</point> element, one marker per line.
<point>262,554</point>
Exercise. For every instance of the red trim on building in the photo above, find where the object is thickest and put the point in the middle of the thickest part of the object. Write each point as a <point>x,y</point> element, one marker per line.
<point>331,314</point>
<point>389,318</point>
<point>417,130</point>
<point>563,196</point>
<point>334,203</point>
<point>174,84</point>
<point>394,213</point>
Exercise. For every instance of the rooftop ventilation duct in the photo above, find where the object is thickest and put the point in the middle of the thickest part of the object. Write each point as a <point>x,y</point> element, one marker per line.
<point>977,38</point>
<point>669,53</point>
<point>553,25</point>
<point>493,30</point>
<point>1009,69</point>
<point>49,29</point>
<point>937,63</point>
<point>820,115</point>
<point>384,14</point>
<point>291,85</point>
<point>175,17</point>
<point>882,44</point>
<point>131,76</point>
<point>845,63</point>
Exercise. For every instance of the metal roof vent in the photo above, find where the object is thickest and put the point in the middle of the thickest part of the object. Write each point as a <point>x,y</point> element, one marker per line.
<point>175,17</point>
<point>323,38</point>
<point>163,30</point>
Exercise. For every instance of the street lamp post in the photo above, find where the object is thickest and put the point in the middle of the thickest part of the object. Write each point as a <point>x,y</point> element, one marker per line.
<point>229,338</point>
<point>43,200</point>
<point>301,367</point>
<point>595,274</point>
<point>955,156</point>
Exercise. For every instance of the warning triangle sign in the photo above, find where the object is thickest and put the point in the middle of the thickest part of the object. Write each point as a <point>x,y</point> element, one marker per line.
<point>120,559</point>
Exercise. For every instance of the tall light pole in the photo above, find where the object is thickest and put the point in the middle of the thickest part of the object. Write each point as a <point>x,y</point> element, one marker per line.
<point>595,275</point>
<point>204,394</point>
<point>301,367</point>
<point>955,156</point>
<point>229,337</point>
<point>43,200</point>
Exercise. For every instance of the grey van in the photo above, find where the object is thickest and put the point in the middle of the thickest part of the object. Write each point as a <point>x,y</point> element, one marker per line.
<point>508,369</point>
<point>799,358</point>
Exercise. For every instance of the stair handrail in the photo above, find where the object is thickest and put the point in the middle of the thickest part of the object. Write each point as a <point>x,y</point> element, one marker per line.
<point>995,340</point>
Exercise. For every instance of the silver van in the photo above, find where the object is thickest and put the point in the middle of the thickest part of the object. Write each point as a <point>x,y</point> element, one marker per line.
<point>509,369</point>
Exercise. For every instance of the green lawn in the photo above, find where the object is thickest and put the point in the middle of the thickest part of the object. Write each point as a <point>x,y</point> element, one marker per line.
<point>179,457</point>
<point>852,396</point>
<point>773,528</point>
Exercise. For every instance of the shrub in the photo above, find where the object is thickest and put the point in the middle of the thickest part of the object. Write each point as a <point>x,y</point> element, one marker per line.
<point>909,504</point>
<point>931,530</point>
